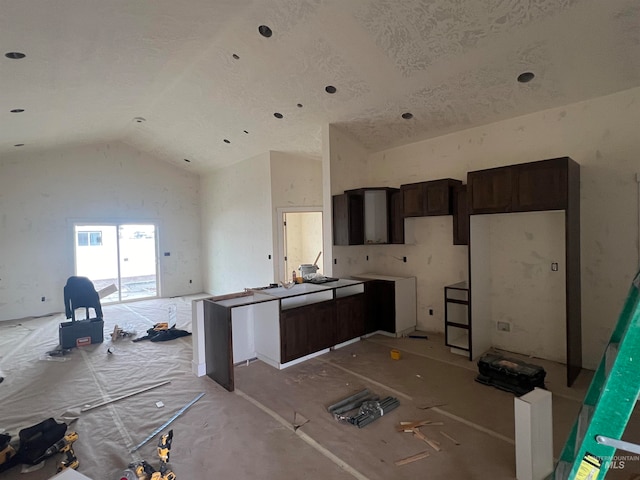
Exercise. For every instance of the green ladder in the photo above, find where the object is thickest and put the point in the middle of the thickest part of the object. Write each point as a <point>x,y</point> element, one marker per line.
<point>609,402</point>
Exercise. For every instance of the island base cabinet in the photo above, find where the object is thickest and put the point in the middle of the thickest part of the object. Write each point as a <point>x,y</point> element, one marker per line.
<point>350,318</point>
<point>307,329</point>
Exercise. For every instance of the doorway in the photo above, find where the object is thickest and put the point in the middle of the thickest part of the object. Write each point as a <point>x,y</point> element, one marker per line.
<point>124,255</point>
<point>302,241</point>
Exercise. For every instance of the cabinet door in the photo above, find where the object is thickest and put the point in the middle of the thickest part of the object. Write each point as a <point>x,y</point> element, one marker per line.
<point>350,313</point>
<point>540,185</point>
<point>321,325</point>
<point>489,191</point>
<point>413,199</point>
<point>396,217</point>
<point>460,216</point>
<point>348,219</point>
<point>293,334</point>
<point>381,306</point>
<point>439,197</point>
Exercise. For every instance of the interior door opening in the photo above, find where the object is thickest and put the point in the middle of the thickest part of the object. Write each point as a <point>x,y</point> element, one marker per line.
<point>302,241</point>
<point>121,254</point>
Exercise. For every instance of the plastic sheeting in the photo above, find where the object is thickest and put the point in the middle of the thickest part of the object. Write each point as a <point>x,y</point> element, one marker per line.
<point>216,429</point>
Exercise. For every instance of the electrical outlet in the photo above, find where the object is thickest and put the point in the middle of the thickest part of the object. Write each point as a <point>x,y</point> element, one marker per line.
<point>404,259</point>
<point>190,281</point>
<point>431,311</point>
<point>42,299</point>
<point>504,327</point>
<point>554,267</point>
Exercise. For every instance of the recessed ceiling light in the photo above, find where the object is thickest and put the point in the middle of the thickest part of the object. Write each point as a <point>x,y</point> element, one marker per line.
<point>235,56</point>
<point>19,145</point>
<point>525,77</point>
<point>407,115</point>
<point>265,31</point>
<point>299,105</point>
<point>17,110</point>
<point>139,119</point>
<point>14,55</point>
<point>278,115</point>
<point>187,160</point>
<point>226,141</point>
<point>330,89</point>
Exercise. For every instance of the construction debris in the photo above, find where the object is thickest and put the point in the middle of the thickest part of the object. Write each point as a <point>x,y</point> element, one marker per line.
<point>412,458</point>
<point>298,420</point>
<point>409,426</point>
<point>370,408</point>
<point>91,407</point>
<point>432,443</point>
<point>450,438</point>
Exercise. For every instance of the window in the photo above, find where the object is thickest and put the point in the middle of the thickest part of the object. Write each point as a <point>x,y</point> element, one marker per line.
<point>89,239</point>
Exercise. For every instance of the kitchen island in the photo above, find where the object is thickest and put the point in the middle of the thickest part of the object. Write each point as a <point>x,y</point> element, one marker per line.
<point>279,326</point>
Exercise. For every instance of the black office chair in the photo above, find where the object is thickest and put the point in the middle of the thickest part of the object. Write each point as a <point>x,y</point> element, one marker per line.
<point>79,292</point>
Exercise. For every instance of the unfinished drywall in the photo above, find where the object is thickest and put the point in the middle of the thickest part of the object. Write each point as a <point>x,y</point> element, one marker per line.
<point>525,295</point>
<point>41,194</point>
<point>237,226</point>
<point>344,167</point>
<point>601,136</point>
<point>296,183</point>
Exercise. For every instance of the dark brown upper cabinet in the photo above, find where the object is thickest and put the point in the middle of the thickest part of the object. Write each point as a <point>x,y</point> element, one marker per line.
<point>396,217</point>
<point>348,219</point>
<point>489,191</point>
<point>367,216</point>
<point>430,198</point>
<point>460,216</point>
<point>524,187</point>
<point>540,185</point>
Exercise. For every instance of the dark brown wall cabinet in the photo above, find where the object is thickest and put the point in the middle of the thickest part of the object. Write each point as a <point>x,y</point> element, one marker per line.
<point>545,185</point>
<point>525,187</point>
<point>368,216</point>
<point>460,216</point>
<point>428,198</point>
<point>348,219</point>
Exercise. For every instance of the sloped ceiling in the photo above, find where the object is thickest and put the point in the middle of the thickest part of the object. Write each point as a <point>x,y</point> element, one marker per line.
<point>199,72</point>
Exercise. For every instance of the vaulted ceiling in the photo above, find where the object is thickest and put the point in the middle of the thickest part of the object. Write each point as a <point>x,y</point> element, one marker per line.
<point>196,80</point>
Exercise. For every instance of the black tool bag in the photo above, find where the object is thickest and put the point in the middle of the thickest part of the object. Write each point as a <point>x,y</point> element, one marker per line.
<point>509,374</point>
<point>34,442</point>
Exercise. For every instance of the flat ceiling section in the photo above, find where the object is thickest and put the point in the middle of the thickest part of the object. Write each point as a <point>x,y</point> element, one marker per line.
<point>91,67</point>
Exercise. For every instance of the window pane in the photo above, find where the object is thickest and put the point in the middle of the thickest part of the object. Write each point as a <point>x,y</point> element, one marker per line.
<point>83,239</point>
<point>95,238</point>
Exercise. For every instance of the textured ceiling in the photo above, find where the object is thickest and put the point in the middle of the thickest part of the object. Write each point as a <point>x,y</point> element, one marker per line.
<point>92,66</point>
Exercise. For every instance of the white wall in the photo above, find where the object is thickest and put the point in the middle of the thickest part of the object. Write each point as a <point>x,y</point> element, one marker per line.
<point>237,226</point>
<point>240,220</point>
<point>296,181</point>
<point>41,194</point>
<point>600,134</point>
<point>523,290</point>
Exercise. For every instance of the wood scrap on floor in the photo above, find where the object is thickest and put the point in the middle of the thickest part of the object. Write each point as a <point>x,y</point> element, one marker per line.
<point>409,426</point>
<point>432,443</point>
<point>455,442</point>
<point>414,427</point>
<point>427,407</point>
<point>412,458</point>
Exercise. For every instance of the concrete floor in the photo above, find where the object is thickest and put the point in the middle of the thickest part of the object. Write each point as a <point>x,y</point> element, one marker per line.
<point>251,432</point>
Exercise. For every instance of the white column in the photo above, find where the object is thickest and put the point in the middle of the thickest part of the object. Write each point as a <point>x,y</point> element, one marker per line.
<point>534,435</point>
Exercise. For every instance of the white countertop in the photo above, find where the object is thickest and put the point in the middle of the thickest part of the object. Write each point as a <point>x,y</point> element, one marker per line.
<point>376,276</point>
<point>281,292</point>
